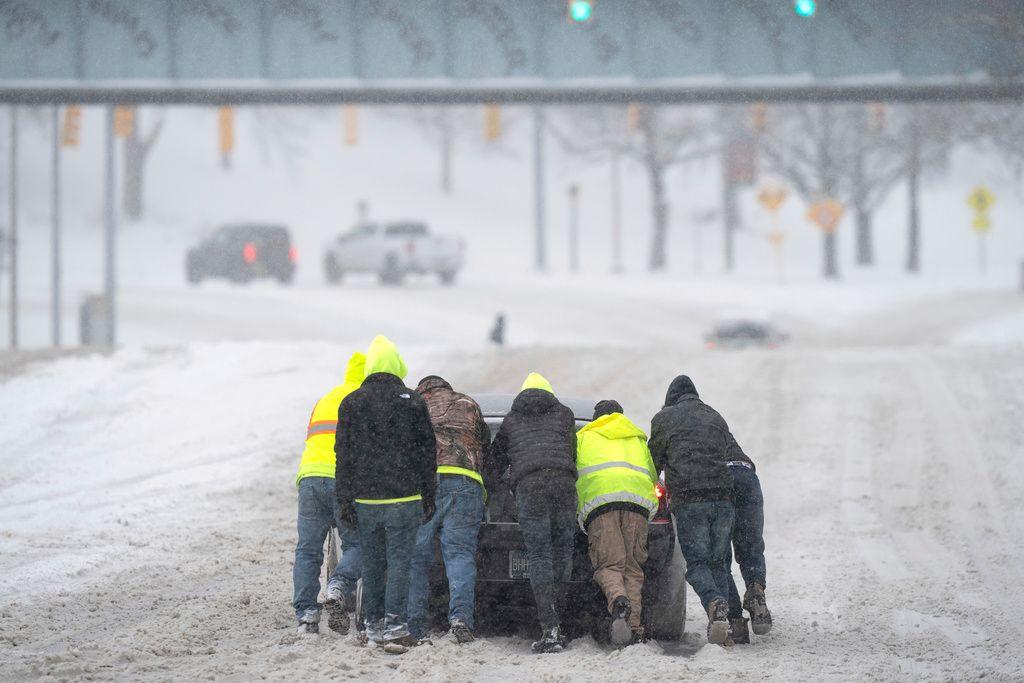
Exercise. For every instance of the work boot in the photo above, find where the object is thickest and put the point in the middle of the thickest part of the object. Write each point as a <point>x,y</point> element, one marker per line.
<point>551,640</point>
<point>637,635</point>
<point>337,616</point>
<point>718,621</point>
<point>754,602</point>
<point>309,622</point>
<point>620,633</point>
<point>461,631</point>
<point>738,631</point>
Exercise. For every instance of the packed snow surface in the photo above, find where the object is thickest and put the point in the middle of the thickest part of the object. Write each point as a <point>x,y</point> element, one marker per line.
<point>147,503</point>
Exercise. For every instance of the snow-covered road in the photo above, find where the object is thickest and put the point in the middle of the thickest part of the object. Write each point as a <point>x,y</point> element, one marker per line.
<point>147,505</point>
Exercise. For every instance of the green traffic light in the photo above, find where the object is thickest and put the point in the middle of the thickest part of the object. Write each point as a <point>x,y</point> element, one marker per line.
<point>580,10</point>
<point>805,8</point>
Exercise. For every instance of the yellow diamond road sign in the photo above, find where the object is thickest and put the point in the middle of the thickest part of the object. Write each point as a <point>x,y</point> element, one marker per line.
<point>981,199</point>
<point>826,213</point>
<point>772,197</point>
<point>981,223</point>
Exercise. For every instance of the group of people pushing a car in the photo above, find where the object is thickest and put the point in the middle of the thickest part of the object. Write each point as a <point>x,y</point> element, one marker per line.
<point>395,468</point>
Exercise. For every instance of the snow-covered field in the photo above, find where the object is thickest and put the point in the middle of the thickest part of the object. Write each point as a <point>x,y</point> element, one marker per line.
<point>147,505</point>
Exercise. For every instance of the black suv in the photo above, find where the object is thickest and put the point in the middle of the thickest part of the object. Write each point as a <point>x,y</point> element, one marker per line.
<point>504,600</point>
<point>243,252</point>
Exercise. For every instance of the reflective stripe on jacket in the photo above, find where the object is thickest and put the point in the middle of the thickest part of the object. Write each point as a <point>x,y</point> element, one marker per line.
<point>318,457</point>
<point>613,465</point>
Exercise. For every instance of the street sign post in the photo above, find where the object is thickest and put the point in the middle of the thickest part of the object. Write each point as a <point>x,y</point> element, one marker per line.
<point>981,200</point>
<point>826,213</point>
<point>772,197</point>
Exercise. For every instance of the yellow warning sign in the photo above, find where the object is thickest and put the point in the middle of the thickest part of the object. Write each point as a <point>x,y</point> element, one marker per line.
<point>981,199</point>
<point>772,197</point>
<point>826,214</point>
<point>981,223</point>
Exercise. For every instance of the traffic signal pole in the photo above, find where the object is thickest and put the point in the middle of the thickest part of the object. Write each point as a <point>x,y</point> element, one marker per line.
<point>55,224</point>
<point>110,226</point>
<point>540,208</point>
<point>12,237</point>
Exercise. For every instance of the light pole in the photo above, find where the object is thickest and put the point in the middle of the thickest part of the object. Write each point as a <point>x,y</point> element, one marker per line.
<point>574,228</point>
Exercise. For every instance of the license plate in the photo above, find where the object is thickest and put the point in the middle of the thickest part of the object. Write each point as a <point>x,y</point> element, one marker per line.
<point>518,565</point>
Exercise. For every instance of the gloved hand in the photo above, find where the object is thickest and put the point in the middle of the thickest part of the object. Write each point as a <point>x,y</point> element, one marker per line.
<point>429,507</point>
<point>347,515</point>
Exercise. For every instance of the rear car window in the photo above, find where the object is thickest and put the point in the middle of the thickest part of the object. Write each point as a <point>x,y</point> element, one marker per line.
<point>406,229</point>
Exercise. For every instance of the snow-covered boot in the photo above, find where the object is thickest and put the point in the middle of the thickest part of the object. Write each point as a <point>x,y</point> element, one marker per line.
<point>550,641</point>
<point>738,631</point>
<point>337,616</point>
<point>718,621</point>
<point>620,633</point>
<point>309,622</point>
<point>754,602</point>
<point>461,631</point>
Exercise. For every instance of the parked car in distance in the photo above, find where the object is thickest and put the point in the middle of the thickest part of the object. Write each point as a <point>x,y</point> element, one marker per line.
<point>242,252</point>
<point>504,599</point>
<point>744,333</point>
<point>392,251</point>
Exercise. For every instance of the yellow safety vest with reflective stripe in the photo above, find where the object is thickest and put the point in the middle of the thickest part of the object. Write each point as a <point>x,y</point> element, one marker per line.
<point>613,465</point>
<point>318,457</point>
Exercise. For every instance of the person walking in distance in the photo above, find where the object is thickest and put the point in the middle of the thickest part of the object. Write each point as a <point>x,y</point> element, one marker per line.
<point>616,498</point>
<point>386,451</point>
<point>690,440</point>
<point>462,442</point>
<point>537,444</point>
<point>318,512</point>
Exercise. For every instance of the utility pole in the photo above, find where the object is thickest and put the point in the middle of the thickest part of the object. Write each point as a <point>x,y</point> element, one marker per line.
<point>574,228</point>
<point>110,225</point>
<point>540,236</point>
<point>12,239</point>
<point>55,218</point>
<point>616,211</point>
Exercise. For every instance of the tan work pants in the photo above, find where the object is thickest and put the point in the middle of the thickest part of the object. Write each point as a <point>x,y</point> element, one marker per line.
<point>618,550</point>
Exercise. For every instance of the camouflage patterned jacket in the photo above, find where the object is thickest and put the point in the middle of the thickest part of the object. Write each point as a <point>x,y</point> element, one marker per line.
<point>462,435</point>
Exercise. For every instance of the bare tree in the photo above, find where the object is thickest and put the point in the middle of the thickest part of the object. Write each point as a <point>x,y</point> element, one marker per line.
<point>137,147</point>
<point>656,137</point>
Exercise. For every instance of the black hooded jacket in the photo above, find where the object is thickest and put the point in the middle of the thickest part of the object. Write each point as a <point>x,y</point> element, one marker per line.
<point>384,443</point>
<point>538,434</point>
<point>692,443</point>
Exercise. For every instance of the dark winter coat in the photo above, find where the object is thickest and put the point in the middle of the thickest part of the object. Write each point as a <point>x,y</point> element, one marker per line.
<point>384,443</point>
<point>462,435</point>
<point>538,436</point>
<point>692,443</point>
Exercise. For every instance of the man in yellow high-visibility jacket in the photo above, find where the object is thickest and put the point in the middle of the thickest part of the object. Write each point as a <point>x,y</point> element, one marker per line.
<point>616,497</point>
<point>318,507</point>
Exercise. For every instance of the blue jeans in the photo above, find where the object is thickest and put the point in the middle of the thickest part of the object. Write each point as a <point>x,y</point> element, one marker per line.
<point>318,512</point>
<point>747,535</point>
<point>705,532</point>
<point>460,510</point>
<point>547,518</point>
<point>387,534</point>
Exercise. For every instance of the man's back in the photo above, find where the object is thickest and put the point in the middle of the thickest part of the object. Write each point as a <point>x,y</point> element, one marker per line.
<point>537,434</point>
<point>690,441</point>
<point>459,428</point>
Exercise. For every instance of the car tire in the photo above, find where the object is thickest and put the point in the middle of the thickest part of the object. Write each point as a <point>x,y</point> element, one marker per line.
<point>359,618</point>
<point>668,615</point>
<point>447,277</point>
<point>192,272</point>
<point>332,271</point>
<point>391,274</point>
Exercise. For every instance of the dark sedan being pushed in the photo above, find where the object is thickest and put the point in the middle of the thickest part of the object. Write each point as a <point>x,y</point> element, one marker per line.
<point>504,599</point>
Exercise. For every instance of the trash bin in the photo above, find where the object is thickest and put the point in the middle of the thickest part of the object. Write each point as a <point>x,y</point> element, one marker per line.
<point>92,321</point>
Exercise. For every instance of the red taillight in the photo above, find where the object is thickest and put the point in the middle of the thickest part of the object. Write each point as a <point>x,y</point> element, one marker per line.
<point>659,490</point>
<point>249,252</point>
<point>293,254</point>
<point>410,247</point>
<point>710,345</point>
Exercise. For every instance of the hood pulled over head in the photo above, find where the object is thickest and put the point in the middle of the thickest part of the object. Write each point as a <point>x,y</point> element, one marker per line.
<point>681,387</point>
<point>383,356</point>
<point>432,382</point>
<point>535,380</point>
<point>355,370</point>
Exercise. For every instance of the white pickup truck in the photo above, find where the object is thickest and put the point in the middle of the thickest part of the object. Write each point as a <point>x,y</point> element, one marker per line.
<point>392,251</point>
